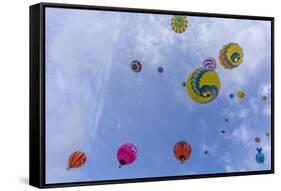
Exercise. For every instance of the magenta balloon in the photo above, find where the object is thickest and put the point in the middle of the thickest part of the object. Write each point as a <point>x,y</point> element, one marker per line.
<point>126,154</point>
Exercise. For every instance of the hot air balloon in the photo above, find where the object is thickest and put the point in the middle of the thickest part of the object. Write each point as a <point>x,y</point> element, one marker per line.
<point>267,134</point>
<point>76,159</point>
<point>257,139</point>
<point>223,131</point>
<point>226,119</point>
<point>231,96</point>
<point>160,69</point>
<point>203,85</point>
<point>126,154</point>
<point>264,98</point>
<point>205,152</point>
<point>179,23</point>
<point>231,55</point>
<point>260,156</point>
<point>210,63</point>
<point>241,94</point>
<point>182,151</point>
<point>136,66</point>
<point>183,84</point>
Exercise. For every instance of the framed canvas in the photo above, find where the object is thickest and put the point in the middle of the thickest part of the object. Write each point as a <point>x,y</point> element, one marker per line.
<point>120,95</point>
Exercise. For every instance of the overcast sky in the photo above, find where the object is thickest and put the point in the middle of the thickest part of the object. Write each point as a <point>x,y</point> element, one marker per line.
<point>95,103</point>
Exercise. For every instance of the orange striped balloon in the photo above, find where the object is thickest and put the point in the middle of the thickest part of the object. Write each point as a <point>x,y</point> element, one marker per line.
<point>76,159</point>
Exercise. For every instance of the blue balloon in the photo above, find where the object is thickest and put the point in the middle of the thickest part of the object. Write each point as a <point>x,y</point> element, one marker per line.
<point>160,69</point>
<point>260,156</point>
<point>231,96</point>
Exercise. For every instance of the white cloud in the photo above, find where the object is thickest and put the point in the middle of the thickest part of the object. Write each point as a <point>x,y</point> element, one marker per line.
<point>71,88</point>
<point>265,89</point>
<point>243,135</point>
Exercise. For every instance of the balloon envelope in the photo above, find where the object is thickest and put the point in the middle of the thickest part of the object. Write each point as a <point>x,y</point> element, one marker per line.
<point>231,55</point>
<point>231,96</point>
<point>160,69</point>
<point>183,84</point>
<point>203,85</point>
<point>267,134</point>
<point>210,63</point>
<point>264,98</point>
<point>260,158</point>
<point>127,154</point>
<point>136,66</point>
<point>182,151</point>
<point>77,159</point>
<point>257,139</point>
<point>241,94</point>
<point>179,23</point>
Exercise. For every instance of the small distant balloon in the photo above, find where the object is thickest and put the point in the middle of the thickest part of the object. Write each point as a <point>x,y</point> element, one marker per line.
<point>210,63</point>
<point>182,151</point>
<point>260,156</point>
<point>226,120</point>
<point>231,96</point>
<point>183,84</point>
<point>126,154</point>
<point>179,23</point>
<point>241,94</point>
<point>257,139</point>
<point>267,134</point>
<point>136,66</point>
<point>264,98</point>
<point>76,159</point>
<point>223,131</point>
<point>205,152</point>
<point>160,69</point>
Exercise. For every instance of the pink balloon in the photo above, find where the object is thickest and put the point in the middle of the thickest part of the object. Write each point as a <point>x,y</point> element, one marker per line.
<point>127,153</point>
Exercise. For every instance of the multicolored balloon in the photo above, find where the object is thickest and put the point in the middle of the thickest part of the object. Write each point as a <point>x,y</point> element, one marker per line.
<point>231,55</point>
<point>136,66</point>
<point>203,85</point>
<point>160,69</point>
<point>241,94</point>
<point>210,63</point>
<point>182,151</point>
<point>179,23</point>
<point>126,154</point>
<point>76,159</point>
<point>260,156</point>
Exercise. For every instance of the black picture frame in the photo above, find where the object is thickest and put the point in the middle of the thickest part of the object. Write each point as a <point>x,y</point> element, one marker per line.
<point>37,94</point>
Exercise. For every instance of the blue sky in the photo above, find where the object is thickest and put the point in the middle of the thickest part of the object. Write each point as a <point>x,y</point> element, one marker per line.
<point>95,103</point>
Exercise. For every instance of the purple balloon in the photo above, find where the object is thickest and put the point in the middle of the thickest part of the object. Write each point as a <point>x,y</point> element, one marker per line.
<point>210,63</point>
